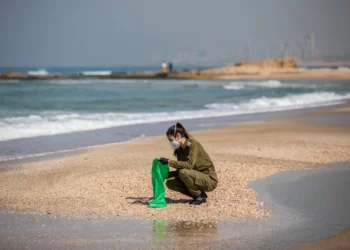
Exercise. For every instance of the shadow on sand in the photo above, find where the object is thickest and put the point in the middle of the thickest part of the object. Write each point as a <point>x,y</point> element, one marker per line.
<point>146,200</point>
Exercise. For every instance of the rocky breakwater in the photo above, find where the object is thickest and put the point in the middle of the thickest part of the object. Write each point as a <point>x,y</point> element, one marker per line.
<point>141,75</point>
<point>269,69</point>
<point>12,75</point>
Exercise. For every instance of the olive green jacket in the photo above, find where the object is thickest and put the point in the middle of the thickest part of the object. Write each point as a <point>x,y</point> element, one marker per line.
<point>191,155</point>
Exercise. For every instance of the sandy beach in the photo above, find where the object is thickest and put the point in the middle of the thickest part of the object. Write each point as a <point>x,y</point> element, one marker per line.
<point>324,74</point>
<point>115,180</point>
<point>99,196</point>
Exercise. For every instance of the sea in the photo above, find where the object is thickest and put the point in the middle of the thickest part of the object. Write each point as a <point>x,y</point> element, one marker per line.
<point>48,116</point>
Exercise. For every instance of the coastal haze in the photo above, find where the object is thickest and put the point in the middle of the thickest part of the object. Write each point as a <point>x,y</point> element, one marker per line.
<point>118,33</point>
<point>88,89</point>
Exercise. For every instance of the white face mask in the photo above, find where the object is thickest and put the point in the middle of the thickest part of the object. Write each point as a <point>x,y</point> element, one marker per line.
<point>175,144</point>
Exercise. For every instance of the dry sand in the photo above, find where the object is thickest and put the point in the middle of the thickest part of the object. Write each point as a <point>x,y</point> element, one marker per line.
<point>264,74</point>
<point>256,72</point>
<point>115,180</point>
<point>268,69</point>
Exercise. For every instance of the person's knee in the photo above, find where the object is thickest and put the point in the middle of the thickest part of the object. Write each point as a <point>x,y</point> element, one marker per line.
<point>211,186</point>
<point>183,173</point>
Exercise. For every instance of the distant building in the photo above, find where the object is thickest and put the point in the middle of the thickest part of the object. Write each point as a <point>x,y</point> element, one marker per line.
<point>247,51</point>
<point>301,51</point>
<point>274,51</point>
<point>309,47</point>
<point>170,66</point>
<point>286,50</point>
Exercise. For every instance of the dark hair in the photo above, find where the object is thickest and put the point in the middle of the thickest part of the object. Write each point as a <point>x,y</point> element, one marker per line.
<point>179,129</point>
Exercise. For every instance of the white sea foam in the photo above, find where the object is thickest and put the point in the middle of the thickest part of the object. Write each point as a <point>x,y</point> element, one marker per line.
<point>97,73</point>
<point>256,84</point>
<point>40,72</point>
<point>265,104</point>
<point>92,81</point>
<point>317,69</point>
<point>343,68</point>
<point>237,85</point>
<point>51,123</point>
<point>325,68</point>
<point>276,84</point>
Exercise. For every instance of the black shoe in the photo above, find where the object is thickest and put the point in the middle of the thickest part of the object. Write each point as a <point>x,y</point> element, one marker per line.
<point>204,194</point>
<point>202,198</point>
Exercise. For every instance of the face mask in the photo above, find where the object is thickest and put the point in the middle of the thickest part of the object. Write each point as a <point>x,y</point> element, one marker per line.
<point>175,144</point>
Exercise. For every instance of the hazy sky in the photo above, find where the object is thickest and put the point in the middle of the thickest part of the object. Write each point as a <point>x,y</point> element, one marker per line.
<point>116,32</point>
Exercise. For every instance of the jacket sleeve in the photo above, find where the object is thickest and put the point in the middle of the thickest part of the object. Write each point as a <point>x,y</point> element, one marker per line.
<point>191,158</point>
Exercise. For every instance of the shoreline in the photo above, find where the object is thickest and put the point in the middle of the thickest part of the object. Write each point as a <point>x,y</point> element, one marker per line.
<point>230,72</point>
<point>213,122</point>
<point>304,206</point>
<point>326,74</point>
<point>55,154</point>
<point>234,149</point>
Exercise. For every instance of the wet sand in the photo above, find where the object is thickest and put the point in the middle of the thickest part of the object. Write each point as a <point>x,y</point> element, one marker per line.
<point>308,205</point>
<point>114,181</point>
<point>300,216</point>
<point>338,242</point>
<point>69,144</point>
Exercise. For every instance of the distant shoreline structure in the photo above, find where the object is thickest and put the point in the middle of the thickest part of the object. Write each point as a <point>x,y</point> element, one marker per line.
<point>324,64</point>
<point>278,68</point>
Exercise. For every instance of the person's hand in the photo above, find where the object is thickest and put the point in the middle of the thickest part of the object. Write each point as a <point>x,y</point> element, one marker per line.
<point>164,161</point>
<point>173,174</point>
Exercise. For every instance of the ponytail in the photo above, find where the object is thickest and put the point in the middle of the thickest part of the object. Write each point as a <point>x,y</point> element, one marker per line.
<point>178,128</point>
<point>184,132</point>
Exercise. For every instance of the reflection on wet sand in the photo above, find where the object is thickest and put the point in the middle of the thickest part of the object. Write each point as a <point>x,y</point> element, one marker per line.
<point>165,232</point>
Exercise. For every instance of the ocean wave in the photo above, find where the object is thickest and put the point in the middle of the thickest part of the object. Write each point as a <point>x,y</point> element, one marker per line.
<point>317,69</point>
<point>97,73</point>
<point>40,72</point>
<point>51,123</point>
<point>265,104</point>
<point>257,84</point>
<point>268,84</point>
<point>93,81</point>
<point>325,68</point>
<point>190,82</point>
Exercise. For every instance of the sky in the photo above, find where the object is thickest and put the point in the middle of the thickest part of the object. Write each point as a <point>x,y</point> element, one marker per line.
<point>130,32</point>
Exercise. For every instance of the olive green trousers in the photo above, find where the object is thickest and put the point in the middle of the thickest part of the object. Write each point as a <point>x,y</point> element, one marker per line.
<point>191,182</point>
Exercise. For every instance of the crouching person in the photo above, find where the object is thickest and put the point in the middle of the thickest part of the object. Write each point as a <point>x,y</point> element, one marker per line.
<point>195,172</point>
